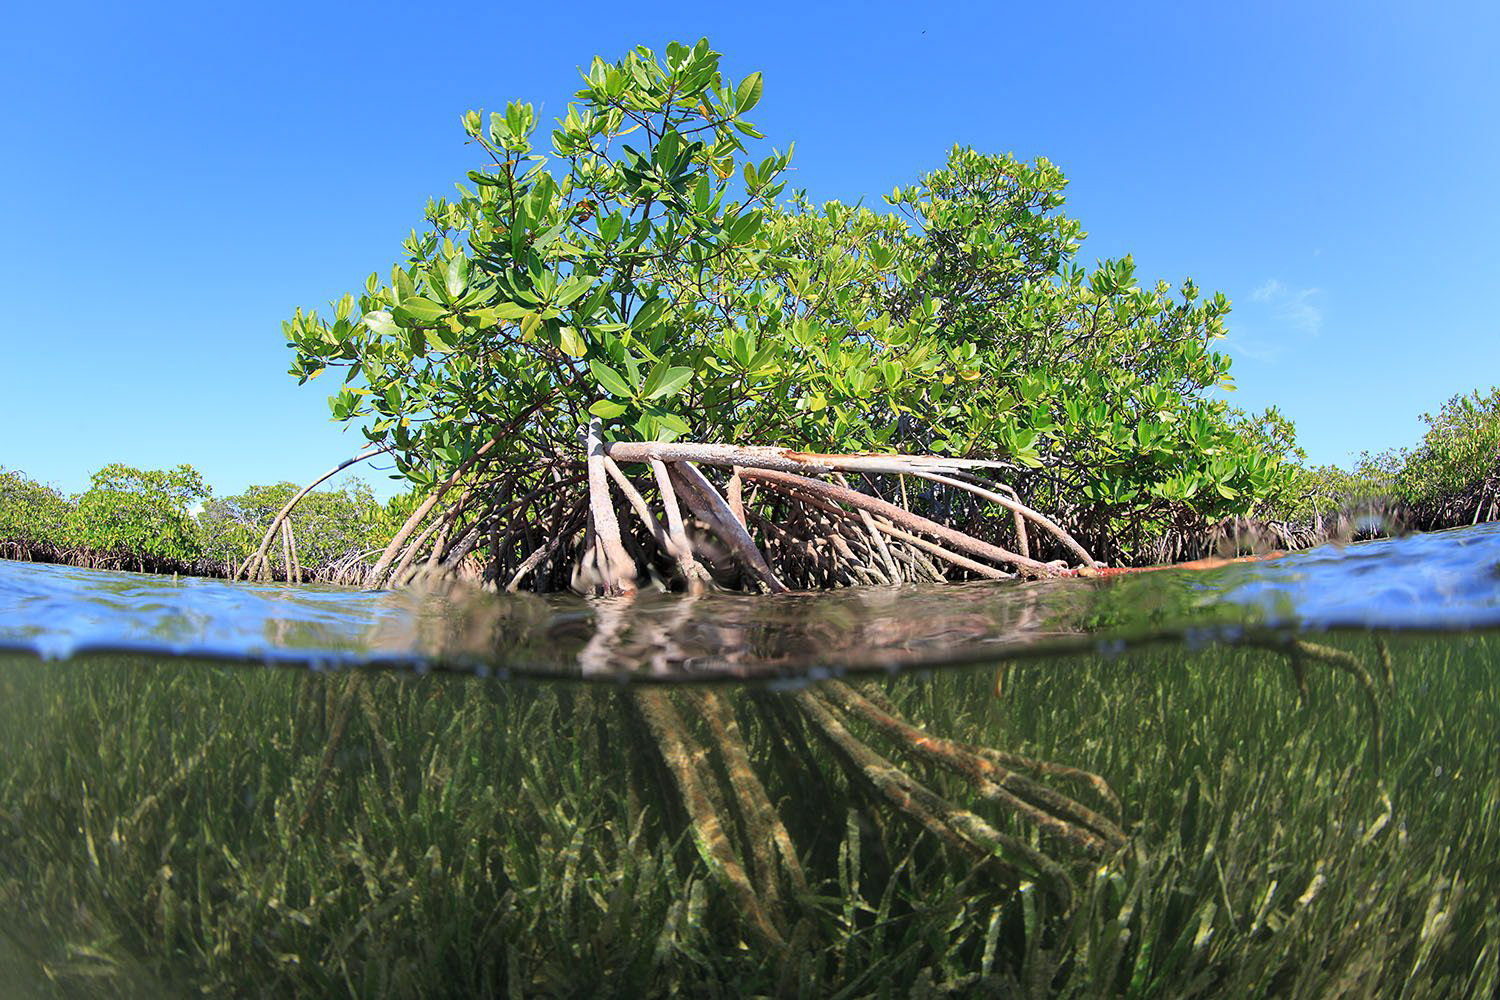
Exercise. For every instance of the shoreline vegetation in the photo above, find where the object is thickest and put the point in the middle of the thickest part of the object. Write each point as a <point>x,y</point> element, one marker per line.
<point>169,522</point>
<point>145,520</point>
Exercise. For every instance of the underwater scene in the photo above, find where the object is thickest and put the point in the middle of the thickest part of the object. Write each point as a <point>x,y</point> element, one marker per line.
<point>1269,778</point>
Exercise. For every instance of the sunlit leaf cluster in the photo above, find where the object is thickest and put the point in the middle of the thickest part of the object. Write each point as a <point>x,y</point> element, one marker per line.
<point>143,512</point>
<point>647,265</point>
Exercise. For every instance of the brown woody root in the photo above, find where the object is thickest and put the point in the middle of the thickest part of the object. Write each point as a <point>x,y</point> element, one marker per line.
<point>1299,652</point>
<point>509,519</point>
<point>740,837</point>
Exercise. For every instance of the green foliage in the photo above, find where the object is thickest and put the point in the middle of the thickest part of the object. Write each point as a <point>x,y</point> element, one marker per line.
<point>395,511</point>
<point>1460,453</point>
<point>646,272</point>
<point>136,519</point>
<point>1451,478</point>
<point>33,518</point>
<point>540,292</point>
<point>1323,490</point>
<point>1096,384</point>
<point>327,524</point>
<point>1270,432</point>
<point>144,514</point>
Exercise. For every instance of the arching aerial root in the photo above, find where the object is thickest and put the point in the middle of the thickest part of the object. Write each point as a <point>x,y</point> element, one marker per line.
<point>533,513</point>
<point>257,565</point>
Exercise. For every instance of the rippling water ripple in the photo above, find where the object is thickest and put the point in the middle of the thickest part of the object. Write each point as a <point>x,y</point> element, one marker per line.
<point>1447,581</point>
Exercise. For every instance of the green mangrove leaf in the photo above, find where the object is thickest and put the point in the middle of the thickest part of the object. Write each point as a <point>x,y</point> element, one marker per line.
<point>571,342</point>
<point>747,95</point>
<point>417,309</point>
<point>670,384</point>
<point>612,381</point>
<point>649,314</point>
<point>608,409</point>
<point>380,322</point>
<point>457,276</point>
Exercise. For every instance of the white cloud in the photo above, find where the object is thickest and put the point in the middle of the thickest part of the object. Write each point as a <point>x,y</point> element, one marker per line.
<point>1247,345</point>
<point>1290,308</point>
<point>1265,292</point>
<point>1274,319</point>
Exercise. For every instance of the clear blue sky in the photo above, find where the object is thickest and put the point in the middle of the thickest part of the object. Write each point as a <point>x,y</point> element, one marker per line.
<point>175,179</point>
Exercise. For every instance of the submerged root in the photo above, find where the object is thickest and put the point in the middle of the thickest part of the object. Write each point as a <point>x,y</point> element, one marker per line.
<point>1053,813</point>
<point>1299,652</point>
<point>687,762</point>
<point>741,838</point>
<point>958,828</point>
<point>763,827</point>
<point>1020,762</point>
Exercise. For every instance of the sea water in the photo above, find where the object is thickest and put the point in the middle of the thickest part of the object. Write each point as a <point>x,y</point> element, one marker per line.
<point>1276,778</point>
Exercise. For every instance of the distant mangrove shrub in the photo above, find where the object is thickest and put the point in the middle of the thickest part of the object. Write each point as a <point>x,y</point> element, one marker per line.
<point>169,521</point>
<point>1452,477</point>
<point>645,267</point>
<point>35,520</point>
<point>141,516</point>
<point>1454,474</point>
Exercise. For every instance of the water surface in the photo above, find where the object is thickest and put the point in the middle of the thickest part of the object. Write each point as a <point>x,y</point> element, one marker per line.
<point>1443,581</point>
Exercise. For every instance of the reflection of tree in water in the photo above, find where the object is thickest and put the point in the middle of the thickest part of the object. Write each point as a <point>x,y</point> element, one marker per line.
<point>706,748</point>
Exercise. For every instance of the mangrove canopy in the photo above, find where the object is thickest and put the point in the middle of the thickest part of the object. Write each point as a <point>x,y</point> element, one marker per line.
<point>645,268</point>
